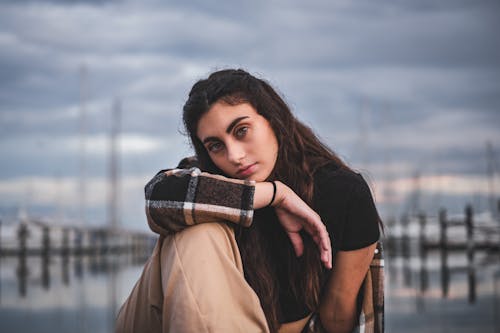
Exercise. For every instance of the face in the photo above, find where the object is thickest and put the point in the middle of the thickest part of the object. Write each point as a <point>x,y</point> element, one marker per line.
<point>239,141</point>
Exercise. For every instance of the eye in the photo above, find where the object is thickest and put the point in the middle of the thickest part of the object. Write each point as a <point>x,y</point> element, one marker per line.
<point>241,132</point>
<point>215,147</point>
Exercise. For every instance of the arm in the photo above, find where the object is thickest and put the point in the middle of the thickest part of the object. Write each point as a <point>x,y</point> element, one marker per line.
<point>345,203</point>
<point>178,198</point>
<point>337,310</point>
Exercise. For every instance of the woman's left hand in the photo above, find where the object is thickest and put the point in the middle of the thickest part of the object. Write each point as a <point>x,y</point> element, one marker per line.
<point>294,215</point>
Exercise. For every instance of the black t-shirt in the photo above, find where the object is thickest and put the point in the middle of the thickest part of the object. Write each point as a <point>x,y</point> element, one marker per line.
<point>343,200</point>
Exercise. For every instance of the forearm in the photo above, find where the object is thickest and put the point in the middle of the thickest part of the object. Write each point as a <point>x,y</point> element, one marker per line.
<point>340,326</point>
<point>178,198</point>
<point>338,307</point>
<point>338,315</point>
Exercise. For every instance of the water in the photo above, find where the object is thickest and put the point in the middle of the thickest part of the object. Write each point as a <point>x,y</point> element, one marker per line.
<point>83,294</point>
<point>57,295</point>
<point>422,295</point>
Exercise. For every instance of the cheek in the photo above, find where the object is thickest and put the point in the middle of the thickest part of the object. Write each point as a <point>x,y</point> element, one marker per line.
<point>270,147</point>
<point>272,142</point>
<point>216,159</point>
<point>221,162</point>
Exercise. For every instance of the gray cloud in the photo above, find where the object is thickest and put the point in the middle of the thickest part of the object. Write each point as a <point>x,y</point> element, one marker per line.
<point>415,83</point>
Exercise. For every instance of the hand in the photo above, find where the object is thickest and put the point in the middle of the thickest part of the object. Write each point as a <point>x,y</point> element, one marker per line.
<point>294,215</point>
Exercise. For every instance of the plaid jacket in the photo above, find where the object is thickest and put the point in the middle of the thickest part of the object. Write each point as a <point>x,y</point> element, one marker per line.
<point>177,198</point>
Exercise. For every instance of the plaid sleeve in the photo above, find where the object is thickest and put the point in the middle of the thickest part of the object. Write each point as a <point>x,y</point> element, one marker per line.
<point>178,198</point>
<point>371,318</point>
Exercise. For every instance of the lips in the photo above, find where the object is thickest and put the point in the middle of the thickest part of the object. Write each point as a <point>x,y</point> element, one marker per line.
<point>246,170</point>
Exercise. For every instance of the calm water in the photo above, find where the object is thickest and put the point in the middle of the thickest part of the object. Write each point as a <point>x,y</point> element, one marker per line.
<point>420,299</point>
<point>77,295</point>
<point>83,295</point>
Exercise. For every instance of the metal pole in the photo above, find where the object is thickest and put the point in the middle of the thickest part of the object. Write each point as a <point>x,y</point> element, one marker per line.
<point>113,208</point>
<point>83,131</point>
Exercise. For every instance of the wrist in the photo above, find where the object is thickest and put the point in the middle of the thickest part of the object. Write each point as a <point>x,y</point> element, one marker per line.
<point>273,183</point>
<point>280,193</point>
<point>264,193</point>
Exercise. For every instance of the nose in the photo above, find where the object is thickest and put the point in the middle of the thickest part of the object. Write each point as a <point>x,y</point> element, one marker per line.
<point>235,152</point>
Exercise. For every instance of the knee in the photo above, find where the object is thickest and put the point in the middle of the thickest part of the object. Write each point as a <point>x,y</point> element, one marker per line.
<point>205,233</point>
<point>207,240</point>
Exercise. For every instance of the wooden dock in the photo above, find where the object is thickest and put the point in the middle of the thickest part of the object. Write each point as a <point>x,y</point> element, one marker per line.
<point>474,236</point>
<point>40,238</point>
<point>444,237</point>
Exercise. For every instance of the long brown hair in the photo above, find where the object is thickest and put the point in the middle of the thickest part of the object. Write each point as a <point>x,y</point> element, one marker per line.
<point>300,154</point>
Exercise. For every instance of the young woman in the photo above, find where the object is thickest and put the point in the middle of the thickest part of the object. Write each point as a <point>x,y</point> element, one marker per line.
<point>283,201</point>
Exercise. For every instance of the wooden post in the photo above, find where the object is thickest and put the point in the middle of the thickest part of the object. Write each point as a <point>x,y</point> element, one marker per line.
<point>45,269</point>
<point>45,241</point>
<point>424,279</point>
<point>65,250</point>
<point>22,272</point>
<point>422,237</point>
<point>45,257</point>
<point>405,246</point>
<point>22,235</point>
<point>442,228</point>
<point>65,242</point>
<point>445,274</point>
<point>78,242</point>
<point>471,282</point>
<point>469,225</point>
<point>65,270</point>
<point>22,268</point>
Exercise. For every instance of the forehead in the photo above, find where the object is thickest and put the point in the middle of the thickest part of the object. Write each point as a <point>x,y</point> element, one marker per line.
<point>217,119</point>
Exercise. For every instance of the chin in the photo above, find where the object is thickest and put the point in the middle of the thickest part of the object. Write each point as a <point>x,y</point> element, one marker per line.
<point>258,178</point>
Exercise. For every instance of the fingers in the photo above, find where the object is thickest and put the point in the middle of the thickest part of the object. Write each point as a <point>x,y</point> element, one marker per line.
<point>294,214</point>
<point>297,243</point>
<point>326,258</point>
<point>325,248</point>
<point>320,236</point>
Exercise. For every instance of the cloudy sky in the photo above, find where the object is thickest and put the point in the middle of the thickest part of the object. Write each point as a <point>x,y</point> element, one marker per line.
<point>407,92</point>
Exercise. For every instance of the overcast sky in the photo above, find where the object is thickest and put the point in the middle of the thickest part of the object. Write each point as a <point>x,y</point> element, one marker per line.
<point>397,88</point>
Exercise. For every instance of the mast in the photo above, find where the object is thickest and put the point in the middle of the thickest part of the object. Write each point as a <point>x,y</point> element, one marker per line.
<point>82,186</point>
<point>492,168</point>
<point>114,167</point>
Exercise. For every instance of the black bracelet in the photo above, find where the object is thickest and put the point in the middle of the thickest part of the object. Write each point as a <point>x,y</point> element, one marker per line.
<point>274,193</point>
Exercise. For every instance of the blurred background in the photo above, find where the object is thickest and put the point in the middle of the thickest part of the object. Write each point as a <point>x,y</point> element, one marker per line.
<point>91,93</point>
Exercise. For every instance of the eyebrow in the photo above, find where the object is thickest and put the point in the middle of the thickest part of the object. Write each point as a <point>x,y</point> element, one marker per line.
<point>228,129</point>
<point>234,123</point>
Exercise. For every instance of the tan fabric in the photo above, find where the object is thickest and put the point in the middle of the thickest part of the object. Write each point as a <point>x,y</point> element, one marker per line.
<point>193,282</point>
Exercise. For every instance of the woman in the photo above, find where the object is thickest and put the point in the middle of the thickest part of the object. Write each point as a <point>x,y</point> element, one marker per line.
<point>267,173</point>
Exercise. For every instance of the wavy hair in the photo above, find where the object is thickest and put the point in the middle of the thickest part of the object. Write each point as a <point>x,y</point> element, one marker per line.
<point>300,154</point>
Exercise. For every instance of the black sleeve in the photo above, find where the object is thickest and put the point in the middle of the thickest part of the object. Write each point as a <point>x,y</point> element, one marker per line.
<point>345,204</point>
